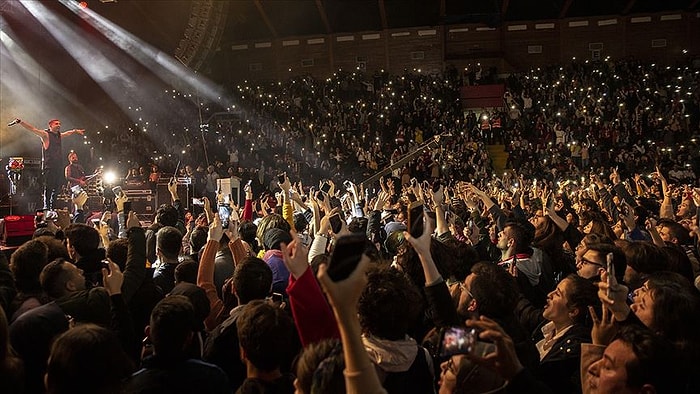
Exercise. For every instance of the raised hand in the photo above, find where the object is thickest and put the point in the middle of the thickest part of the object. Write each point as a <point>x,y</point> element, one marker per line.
<point>422,244</point>
<point>112,278</point>
<point>345,294</point>
<point>504,360</point>
<point>613,296</point>
<point>295,258</point>
<point>216,229</point>
<point>207,209</point>
<point>381,200</point>
<point>604,329</point>
<point>133,220</point>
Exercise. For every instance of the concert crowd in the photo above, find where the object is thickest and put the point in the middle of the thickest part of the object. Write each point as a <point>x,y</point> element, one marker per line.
<point>574,270</point>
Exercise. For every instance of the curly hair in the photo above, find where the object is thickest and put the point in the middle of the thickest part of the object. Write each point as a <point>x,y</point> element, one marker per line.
<point>408,260</point>
<point>271,221</point>
<point>389,305</point>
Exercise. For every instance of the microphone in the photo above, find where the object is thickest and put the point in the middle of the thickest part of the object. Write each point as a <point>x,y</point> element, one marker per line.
<point>14,122</point>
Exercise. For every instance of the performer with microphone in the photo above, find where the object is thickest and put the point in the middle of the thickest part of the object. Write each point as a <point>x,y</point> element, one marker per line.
<point>51,156</point>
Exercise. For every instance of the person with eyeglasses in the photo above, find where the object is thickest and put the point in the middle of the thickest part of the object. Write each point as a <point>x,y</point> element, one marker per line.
<point>593,261</point>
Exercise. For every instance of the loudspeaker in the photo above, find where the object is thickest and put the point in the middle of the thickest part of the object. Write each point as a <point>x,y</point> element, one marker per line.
<point>16,229</point>
<point>143,202</point>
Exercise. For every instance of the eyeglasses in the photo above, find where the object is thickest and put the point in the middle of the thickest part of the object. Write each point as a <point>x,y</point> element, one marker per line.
<point>463,287</point>
<point>586,261</point>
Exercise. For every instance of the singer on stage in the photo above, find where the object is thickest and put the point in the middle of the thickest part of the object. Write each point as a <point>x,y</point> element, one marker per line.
<point>51,157</point>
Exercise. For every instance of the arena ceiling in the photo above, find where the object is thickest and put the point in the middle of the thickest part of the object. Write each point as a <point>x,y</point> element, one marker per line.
<point>163,23</point>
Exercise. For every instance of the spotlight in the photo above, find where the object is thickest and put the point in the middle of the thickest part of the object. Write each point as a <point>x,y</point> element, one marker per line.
<point>109,177</point>
<point>83,4</point>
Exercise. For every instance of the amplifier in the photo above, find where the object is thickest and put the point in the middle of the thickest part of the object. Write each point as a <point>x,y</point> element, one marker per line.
<point>16,229</point>
<point>142,204</point>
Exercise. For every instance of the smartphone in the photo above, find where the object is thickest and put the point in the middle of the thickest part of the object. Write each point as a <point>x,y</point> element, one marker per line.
<point>51,216</point>
<point>347,184</point>
<point>336,223</point>
<point>224,214</point>
<point>105,264</point>
<point>436,186</point>
<point>345,256</point>
<point>117,190</point>
<point>457,340</point>
<point>95,222</point>
<point>415,219</point>
<point>197,201</point>
<point>414,182</point>
<point>76,190</point>
<point>326,187</point>
<point>127,209</point>
<point>610,267</point>
<point>276,298</point>
<point>319,196</point>
<point>281,178</point>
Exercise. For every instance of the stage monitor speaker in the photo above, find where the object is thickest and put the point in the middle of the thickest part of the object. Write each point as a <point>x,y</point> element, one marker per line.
<point>16,229</point>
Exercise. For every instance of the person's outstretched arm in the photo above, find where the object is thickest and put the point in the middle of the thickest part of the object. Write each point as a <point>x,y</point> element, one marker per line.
<point>312,314</point>
<point>436,291</point>
<point>205,274</point>
<point>38,132</point>
<point>135,270</point>
<point>360,374</point>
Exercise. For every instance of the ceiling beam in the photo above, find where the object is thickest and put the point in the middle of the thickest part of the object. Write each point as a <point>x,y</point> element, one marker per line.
<point>382,13</point>
<point>565,9</point>
<point>266,19</point>
<point>504,7</point>
<point>628,7</point>
<point>443,9</point>
<point>324,16</point>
